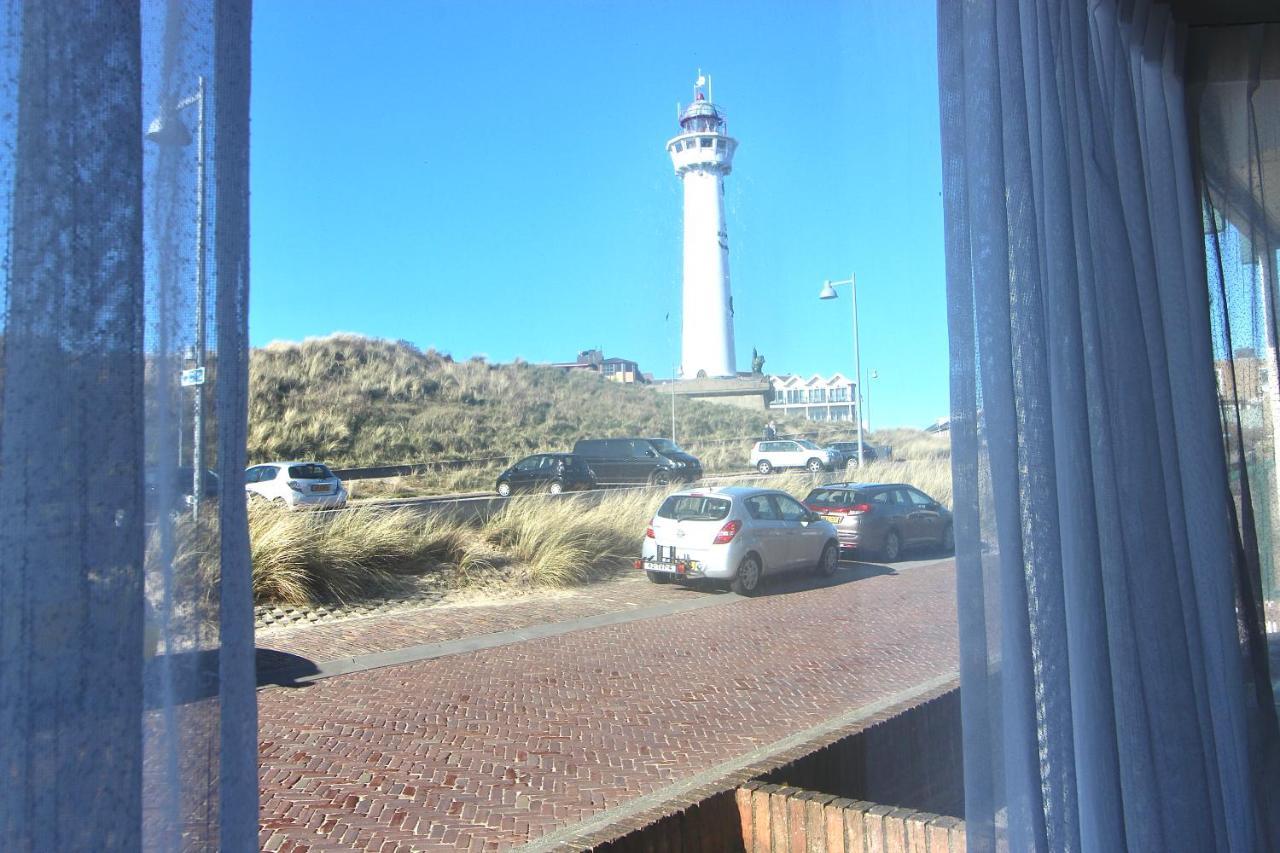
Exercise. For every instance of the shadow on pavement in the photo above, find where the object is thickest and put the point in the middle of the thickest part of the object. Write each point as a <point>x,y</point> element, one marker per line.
<point>283,669</point>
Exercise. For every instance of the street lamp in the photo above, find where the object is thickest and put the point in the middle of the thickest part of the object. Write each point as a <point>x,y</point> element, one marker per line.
<point>871,380</point>
<point>829,292</point>
<point>167,130</point>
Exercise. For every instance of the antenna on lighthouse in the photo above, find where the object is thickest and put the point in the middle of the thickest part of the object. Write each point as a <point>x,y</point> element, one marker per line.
<point>710,93</point>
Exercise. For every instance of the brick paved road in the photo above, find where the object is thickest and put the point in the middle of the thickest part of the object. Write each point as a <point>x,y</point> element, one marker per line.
<point>495,748</point>
<point>365,635</point>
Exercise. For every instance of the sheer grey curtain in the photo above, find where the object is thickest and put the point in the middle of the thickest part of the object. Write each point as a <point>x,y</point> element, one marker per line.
<point>127,711</point>
<point>1111,693</point>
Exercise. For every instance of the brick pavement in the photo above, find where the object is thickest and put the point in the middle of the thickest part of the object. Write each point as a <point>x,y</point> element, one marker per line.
<point>443,622</point>
<point>495,748</point>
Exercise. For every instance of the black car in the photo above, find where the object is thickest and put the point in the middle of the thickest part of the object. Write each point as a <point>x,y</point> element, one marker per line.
<point>552,473</point>
<point>638,461</point>
<point>849,450</point>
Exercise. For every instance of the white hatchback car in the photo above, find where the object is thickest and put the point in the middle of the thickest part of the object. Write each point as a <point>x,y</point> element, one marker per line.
<point>736,534</point>
<point>296,485</point>
<point>792,453</point>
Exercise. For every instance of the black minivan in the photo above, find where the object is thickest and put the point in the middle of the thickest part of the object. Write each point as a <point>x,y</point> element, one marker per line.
<point>552,473</point>
<point>638,461</point>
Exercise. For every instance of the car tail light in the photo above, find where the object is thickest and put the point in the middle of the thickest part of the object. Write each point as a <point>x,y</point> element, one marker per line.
<point>295,485</point>
<point>726,534</point>
<point>681,568</point>
<point>648,531</point>
<point>860,509</point>
<point>638,564</point>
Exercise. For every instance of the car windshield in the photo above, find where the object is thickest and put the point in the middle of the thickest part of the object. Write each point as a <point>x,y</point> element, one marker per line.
<point>807,445</point>
<point>694,508</point>
<point>666,446</point>
<point>309,472</point>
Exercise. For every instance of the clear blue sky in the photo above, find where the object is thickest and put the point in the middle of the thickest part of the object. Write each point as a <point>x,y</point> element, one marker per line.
<point>490,178</point>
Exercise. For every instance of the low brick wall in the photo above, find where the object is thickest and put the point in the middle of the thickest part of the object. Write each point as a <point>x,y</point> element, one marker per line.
<point>781,819</point>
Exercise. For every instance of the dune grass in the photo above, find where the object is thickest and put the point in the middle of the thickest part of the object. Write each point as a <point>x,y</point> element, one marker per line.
<point>301,558</point>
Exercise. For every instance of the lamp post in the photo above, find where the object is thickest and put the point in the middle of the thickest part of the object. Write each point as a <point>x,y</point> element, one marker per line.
<point>871,379</point>
<point>829,292</point>
<point>167,129</point>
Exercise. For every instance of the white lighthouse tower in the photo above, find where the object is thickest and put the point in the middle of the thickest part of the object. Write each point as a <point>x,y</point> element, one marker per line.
<point>702,155</point>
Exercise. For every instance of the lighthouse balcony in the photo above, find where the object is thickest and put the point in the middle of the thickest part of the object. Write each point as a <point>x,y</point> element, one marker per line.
<point>702,150</point>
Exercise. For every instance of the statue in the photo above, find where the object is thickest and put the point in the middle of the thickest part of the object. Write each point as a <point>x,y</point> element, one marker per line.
<point>757,362</point>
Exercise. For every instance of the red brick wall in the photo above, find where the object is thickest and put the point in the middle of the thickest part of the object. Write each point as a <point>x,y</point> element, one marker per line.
<point>780,819</point>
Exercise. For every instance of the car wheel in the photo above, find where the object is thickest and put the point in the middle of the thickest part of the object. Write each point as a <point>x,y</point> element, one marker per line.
<point>948,542</point>
<point>829,563</point>
<point>659,577</point>
<point>892,548</point>
<point>814,466</point>
<point>763,466</point>
<point>504,489</point>
<point>749,576</point>
<point>660,478</point>
<point>555,488</point>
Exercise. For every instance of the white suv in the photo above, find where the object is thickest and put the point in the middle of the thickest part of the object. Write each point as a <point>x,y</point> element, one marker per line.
<point>295,485</point>
<point>789,453</point>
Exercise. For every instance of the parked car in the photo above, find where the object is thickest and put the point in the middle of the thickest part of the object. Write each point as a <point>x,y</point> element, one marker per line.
<point>638,461</point>
<point>296,485</point>
<point>547,472</point>
<point>849,451</point>
<point>768,456</point>
<point>735,534</point>
<point>883,518</point>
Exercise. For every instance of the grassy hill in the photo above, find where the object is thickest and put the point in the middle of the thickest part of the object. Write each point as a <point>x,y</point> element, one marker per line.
<point>353,401</point>
<point>359,401</point>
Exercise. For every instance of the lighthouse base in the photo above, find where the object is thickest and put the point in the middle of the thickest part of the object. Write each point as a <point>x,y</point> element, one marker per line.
<point>746,390</point>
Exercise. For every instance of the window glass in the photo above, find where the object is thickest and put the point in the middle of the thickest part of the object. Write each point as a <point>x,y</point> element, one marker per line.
<point>760,508</point>
<point>830,497</point>
<point>919,499</point>
<point>529,464</point>
<point>889,497</point>
<point>705,142</point>
<point>790,509</point>
<point>309,472</point>
<point>269,472</point>
<point>694,508</point>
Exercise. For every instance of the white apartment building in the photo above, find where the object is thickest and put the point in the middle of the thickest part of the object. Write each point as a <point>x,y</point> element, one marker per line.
<point>816,398</point>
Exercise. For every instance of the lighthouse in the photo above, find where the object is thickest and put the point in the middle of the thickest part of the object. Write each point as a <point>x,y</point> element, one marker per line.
<point>702,155</point>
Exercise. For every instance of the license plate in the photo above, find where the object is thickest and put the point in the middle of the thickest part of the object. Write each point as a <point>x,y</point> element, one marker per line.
<point>834,519</point>
<point>662,567</point>
<point>319,488</point>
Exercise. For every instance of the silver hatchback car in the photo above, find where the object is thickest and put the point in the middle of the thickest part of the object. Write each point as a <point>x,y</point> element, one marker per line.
<point>735,534</point>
